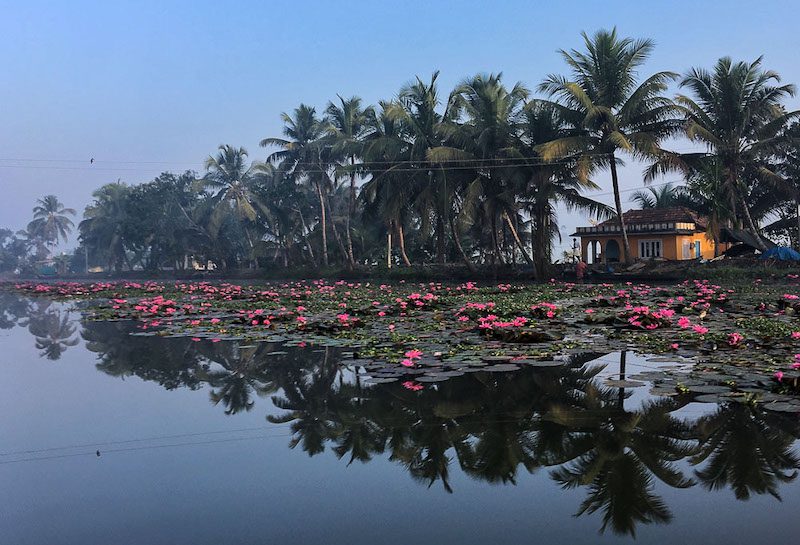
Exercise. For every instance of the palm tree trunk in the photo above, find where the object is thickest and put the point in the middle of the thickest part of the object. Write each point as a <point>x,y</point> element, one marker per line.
<point>618,205</point>
<point>797,212</point>
<point>753,227</point>
<point>350,258</point>
<point>305,237</point>
<point>457,240</point>
<point>324,225</point>
<point>622,361</point>
<point>440,245</point>
<point>336,236</point>
<point>389,248</point>
<point>401,239</point>
<point>495,243</point>
<point>515,234</point>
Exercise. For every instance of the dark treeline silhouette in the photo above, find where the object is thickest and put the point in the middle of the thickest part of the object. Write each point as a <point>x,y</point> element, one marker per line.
<point>472,176</point>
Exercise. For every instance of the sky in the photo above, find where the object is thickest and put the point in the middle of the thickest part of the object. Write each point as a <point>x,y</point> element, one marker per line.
<point>144,87</point>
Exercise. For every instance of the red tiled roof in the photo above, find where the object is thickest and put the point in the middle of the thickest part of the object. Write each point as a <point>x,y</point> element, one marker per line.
<point>660,215</point>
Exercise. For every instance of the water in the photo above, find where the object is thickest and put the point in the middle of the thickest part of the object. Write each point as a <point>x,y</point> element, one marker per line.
<point>205,442</point>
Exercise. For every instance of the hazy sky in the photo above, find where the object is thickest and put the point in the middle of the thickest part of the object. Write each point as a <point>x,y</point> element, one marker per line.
<point>145,87</point>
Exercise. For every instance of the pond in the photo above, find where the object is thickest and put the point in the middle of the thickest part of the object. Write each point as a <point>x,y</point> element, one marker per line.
<point>113,438</point>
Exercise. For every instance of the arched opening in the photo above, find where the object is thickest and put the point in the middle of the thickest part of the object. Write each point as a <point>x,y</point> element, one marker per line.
<point>593,252</point>
<point>612,251</point>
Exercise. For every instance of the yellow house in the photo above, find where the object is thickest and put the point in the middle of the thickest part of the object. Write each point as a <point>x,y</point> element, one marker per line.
<point>669,233</point>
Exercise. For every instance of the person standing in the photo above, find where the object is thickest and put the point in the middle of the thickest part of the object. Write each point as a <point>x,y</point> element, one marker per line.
<point>580,269</point>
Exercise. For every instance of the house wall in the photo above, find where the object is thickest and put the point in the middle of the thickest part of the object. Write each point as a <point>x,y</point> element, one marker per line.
<point>671,245</point>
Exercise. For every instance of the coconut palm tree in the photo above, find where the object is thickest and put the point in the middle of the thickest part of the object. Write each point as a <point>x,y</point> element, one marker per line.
<point>486,140</point>
<point>609,111</point>
<point>416,109</point>
<point>301,156</point>
<point>388,194</point>
<point>103,227</point>
<point>546,184</point>
<point>50,220</point>
<point>349,124</point>
<point>235,184</point>
<point>736,111</point>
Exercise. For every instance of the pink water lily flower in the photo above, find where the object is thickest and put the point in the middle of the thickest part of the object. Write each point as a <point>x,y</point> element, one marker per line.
<point>779,375</point>
<point>413,354</point>
<point>734,339</point>
<point>700,330</point>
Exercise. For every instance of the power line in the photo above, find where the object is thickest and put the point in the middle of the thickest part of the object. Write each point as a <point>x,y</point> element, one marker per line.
<point>533,160</point>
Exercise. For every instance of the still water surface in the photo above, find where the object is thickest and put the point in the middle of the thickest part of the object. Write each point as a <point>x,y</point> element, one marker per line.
<point>205,442</point>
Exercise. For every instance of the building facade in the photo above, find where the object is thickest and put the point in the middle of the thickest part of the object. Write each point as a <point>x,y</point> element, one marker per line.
<point>671,233</point>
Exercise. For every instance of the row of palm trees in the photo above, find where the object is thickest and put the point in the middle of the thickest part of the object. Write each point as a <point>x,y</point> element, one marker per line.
<point>474,176</point>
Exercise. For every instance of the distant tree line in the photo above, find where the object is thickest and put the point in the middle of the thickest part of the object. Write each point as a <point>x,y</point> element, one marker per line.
<point>474,176</point>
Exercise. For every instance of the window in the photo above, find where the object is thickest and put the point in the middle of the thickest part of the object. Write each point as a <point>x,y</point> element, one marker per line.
<point>687,250</point>
<point>648,249</point>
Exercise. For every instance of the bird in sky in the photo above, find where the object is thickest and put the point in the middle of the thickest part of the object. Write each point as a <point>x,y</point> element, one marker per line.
<point>91,161</point>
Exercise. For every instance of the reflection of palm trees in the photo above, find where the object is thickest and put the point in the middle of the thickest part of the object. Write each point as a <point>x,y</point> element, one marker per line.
<point>491,424</point>
<point>12,309</point>
<point>170,362</point>
<point>306,394</point>
<point>616,453</point>
<point>53,330</point>
<point>244,372</point>
<point>747,449</point>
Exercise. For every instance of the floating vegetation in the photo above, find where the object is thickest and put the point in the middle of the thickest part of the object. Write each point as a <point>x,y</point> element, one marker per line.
<point>709,340</point>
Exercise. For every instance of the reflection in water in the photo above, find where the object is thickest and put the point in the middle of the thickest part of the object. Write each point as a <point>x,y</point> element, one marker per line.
<point>51,326</point>
<point>491,426</point>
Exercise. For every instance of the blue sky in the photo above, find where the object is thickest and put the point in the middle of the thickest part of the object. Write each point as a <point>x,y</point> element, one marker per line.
<point>150,86</point>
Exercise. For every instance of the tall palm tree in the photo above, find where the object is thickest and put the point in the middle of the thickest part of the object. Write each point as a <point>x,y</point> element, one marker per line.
<point>301,157</point>
<point>388,194</point>
<point>736,111</point>
<point>50,220</point>
<point>349,123</point>
<point>485,139</point>
<point>103,227</point>
<point>235,185</point>
<point>546,184</point>
<point>416,109</point>
<point>609,112</point>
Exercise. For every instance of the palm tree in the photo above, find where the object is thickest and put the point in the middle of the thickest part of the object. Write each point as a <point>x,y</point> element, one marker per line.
<point>487,138</point>
<point>549,183</point>
<point>388,194</point>
<point>235,184</point>
<point>666,196</point>
<point>50,220</point>
<point>416,111</point>
<point>608,111</point>
<point>349,123</point>
<point>105,221</point>
<point>301,157</point>
<point>736,112</point>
